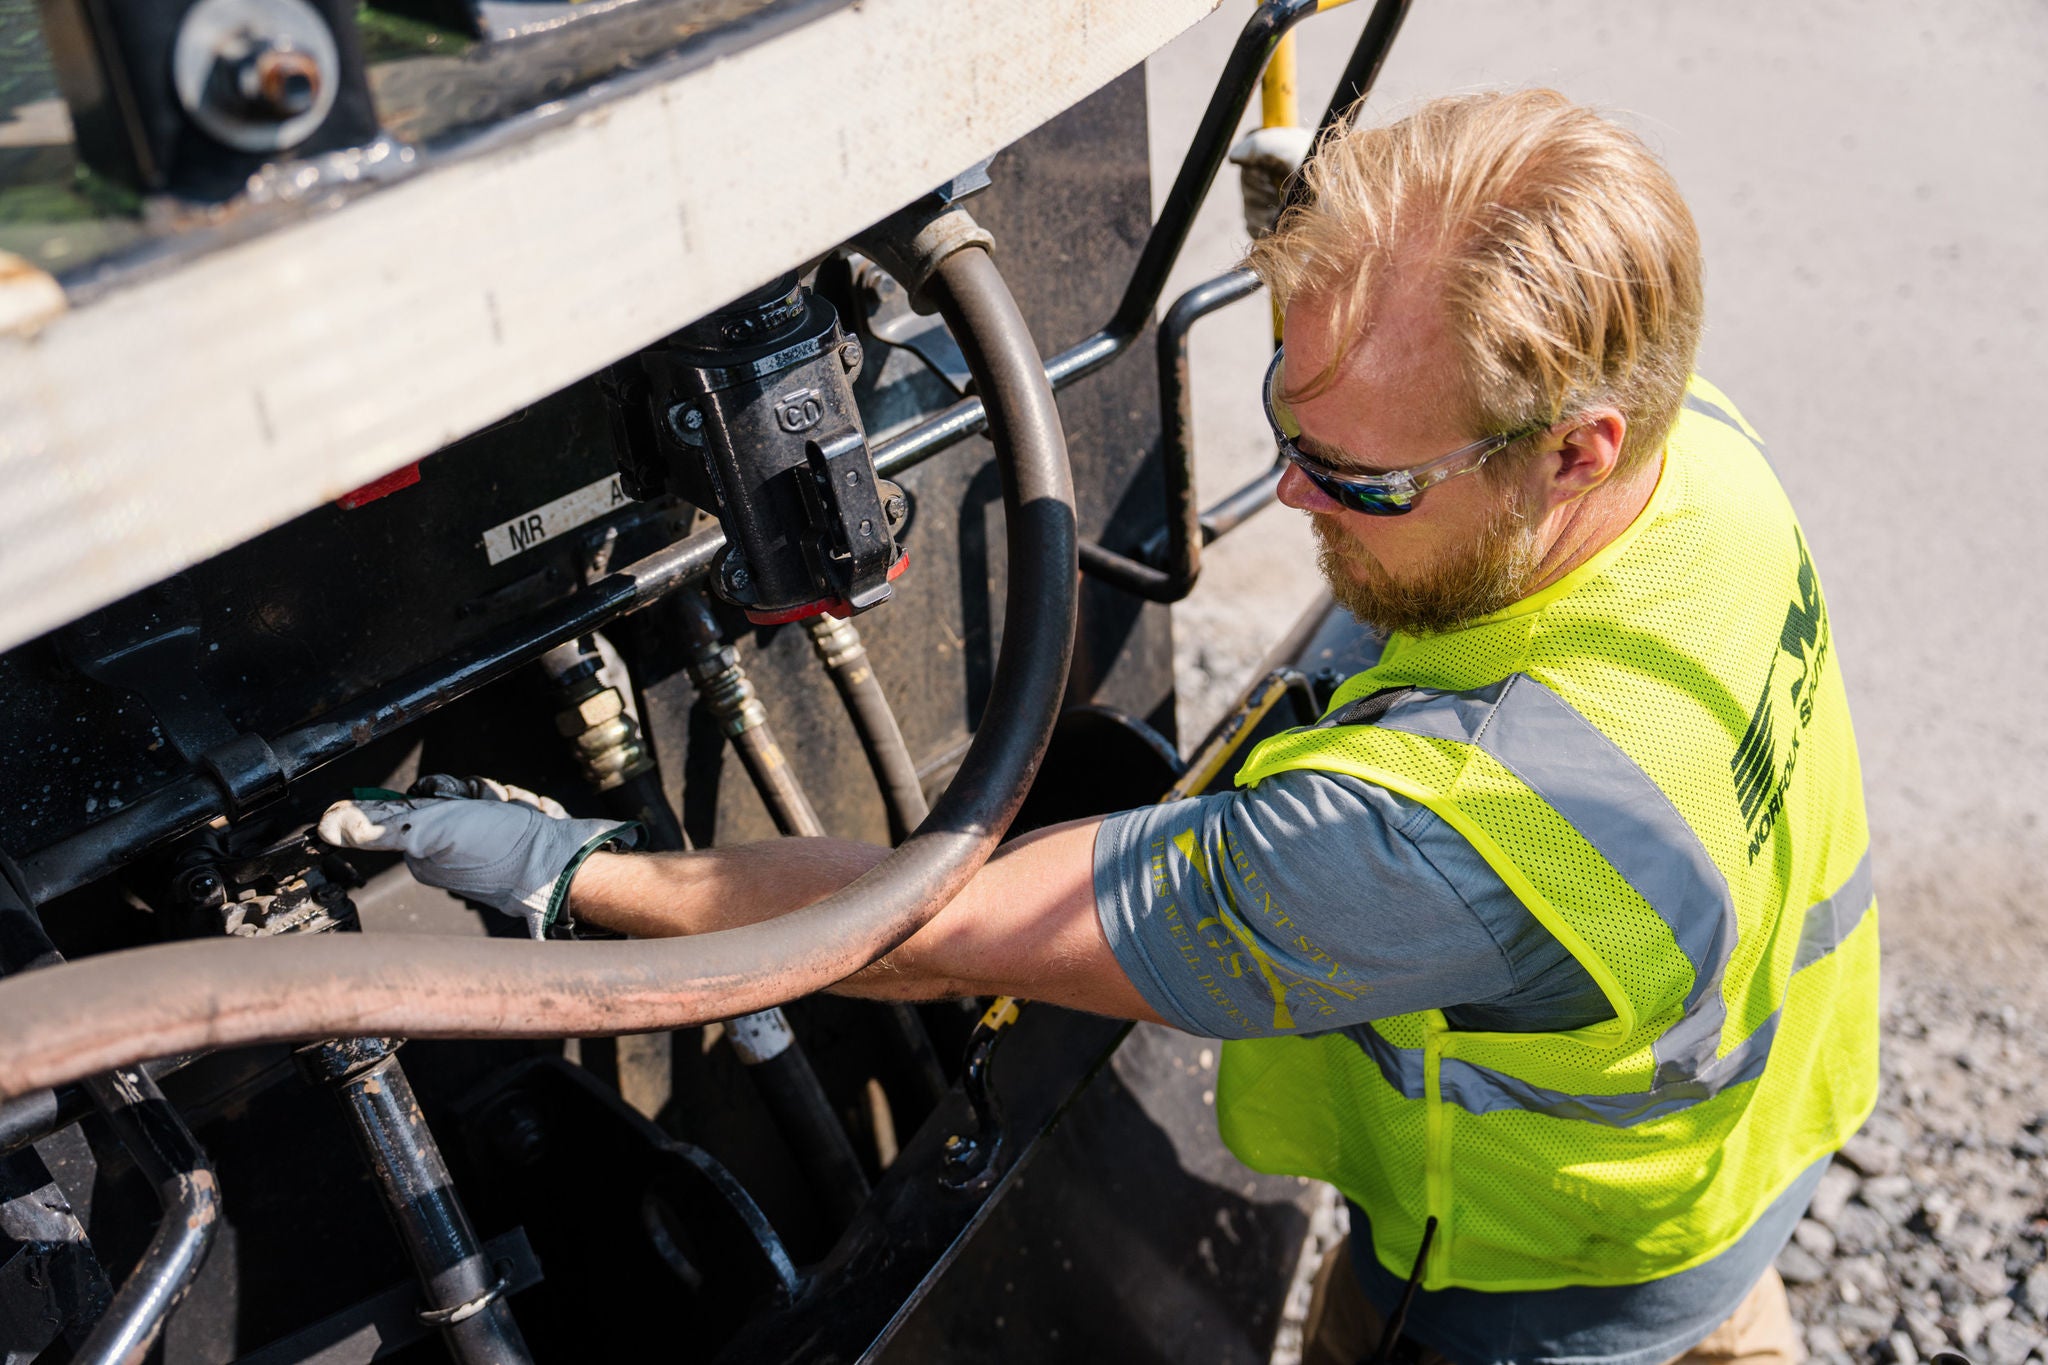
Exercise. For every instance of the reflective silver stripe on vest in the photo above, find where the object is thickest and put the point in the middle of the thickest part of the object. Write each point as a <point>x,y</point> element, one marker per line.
<point>1706,407</point>
<point>1616,807</point>
<point>1482,1090</point>
<point>1400,1067</point>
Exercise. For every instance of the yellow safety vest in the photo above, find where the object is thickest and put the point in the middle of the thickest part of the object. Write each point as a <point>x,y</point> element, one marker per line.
<point>1655,755</point>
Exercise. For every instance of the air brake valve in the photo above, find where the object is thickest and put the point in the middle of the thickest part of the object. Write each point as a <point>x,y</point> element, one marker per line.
<point>750,413</point>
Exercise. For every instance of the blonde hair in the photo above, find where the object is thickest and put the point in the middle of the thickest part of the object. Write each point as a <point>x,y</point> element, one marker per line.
<point>1568,262</point>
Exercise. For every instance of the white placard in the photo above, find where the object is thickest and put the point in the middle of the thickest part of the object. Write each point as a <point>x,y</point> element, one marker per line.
<point>551,519</point>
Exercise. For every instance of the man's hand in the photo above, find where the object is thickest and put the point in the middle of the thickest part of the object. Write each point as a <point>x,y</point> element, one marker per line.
<point>504,846</point>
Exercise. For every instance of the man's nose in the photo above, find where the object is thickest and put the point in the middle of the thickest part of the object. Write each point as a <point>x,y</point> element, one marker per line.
<point>1298,491</point>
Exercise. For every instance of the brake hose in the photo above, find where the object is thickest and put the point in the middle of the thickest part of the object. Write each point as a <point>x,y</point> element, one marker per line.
<point>121,1008</point>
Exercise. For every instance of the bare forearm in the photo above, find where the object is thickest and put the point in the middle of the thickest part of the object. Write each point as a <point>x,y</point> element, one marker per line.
<point>1024,926</point>
<point>663,895</point>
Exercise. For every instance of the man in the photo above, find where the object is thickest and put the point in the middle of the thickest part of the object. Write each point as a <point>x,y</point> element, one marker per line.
<point>1552,946</point>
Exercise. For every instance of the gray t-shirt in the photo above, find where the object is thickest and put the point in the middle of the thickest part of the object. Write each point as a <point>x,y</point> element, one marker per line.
<point>1314,902</point>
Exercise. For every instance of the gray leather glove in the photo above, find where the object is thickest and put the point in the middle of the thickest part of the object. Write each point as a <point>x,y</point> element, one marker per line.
<point>1265,158</point>
<point>507,847</point>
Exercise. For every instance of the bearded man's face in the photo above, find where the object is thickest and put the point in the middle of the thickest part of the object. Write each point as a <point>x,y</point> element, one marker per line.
<point>1491,572</point>
<point>1395,398</point>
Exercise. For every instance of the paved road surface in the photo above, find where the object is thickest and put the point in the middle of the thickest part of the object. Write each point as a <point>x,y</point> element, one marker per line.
<point>1871,186</point>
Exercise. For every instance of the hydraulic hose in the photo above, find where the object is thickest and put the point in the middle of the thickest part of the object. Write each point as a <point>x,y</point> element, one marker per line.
<point>881,738</point>
<point>764,1042</point>
<point>156,1139</point>
<point>121,1008</point>
<point>729,695</point>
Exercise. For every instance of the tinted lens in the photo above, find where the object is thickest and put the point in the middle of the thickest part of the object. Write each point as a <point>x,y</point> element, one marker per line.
<point>1277,411</point>
<point>1367,497</point>
<point>1373,501</point>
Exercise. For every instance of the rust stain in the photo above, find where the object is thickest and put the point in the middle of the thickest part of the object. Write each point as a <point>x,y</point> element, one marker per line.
<point>30,298</point>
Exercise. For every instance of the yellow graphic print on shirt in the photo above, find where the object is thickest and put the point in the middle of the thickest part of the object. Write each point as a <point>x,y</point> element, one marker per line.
<point>1226,934</point>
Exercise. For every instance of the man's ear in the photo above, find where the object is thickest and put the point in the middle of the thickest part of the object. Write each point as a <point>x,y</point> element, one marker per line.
<point>1587,455</point>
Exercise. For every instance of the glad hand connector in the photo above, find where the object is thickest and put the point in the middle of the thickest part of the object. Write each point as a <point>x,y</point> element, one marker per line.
<point>749,413</point>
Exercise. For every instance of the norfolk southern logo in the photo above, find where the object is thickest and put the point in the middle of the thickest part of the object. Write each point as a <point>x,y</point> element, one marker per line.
<point>1762,775</point>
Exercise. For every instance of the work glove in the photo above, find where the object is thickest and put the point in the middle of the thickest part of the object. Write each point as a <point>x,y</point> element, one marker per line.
<point>507,847</point>
<point>1266,158</point>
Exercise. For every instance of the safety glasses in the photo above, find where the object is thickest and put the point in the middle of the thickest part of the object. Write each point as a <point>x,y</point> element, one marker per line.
<point>1377,495</point>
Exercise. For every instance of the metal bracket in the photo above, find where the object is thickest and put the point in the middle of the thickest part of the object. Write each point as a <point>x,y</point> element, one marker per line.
<point>247,771</point>
<point>856,548</point>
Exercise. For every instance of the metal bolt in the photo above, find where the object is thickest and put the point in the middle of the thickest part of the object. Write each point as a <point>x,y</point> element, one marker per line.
<point>287,82</point>
<point>265,78</point>
<point>687,423</point>
<point>867,528</point>
<point>896,508</point>
<point>850,356</point>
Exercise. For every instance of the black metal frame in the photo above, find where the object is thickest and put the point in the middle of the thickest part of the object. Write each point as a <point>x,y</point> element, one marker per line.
<point>1172,560</point>
<point>171,1159</point>
<point>163,1148</point>
<point>909,1231</point>
<point>189,802</point>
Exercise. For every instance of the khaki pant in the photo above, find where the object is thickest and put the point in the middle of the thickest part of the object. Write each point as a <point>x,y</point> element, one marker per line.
<point>1343,1327</point>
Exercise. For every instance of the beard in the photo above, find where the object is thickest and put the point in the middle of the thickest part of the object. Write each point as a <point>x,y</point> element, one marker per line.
<point>1491,574</point>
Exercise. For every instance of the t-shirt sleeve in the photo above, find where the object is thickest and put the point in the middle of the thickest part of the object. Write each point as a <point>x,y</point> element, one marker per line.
<point>1297,906</point>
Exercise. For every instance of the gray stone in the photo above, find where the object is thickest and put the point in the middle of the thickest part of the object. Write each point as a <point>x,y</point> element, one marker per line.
<point>1986,1279</point>
<point>1899,1349</point>
<point>1815,1238</point>
<point>1797,1265</point>
<point>2034,1292</point>
<point>2010,1341</point>
<point>1861,1228</point>
<point>1870,1156</point>
<point>1967,1242</point>
<point>1824,1341</point>
<point>1866,1274</point>
<point>1926,1332</point>
<point>1865,1320</point>
<point>1833,1194</point>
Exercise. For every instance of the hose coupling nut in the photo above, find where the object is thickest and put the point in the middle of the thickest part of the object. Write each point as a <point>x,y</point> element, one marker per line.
<point>727,690</point>
<point>837,642</point>
<point>607,739</point>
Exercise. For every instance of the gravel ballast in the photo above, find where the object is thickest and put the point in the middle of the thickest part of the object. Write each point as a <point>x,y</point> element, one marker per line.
<point>1928,1232</point>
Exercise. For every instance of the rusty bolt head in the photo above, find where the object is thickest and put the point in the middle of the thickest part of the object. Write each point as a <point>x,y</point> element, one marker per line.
<point>287,82</point>
<point>266,79</point>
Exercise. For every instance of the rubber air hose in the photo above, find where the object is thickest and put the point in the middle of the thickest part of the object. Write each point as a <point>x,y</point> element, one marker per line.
<point>121,1008</point>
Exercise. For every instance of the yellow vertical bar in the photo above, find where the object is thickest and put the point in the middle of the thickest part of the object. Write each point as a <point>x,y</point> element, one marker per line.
<point>1278,106</point>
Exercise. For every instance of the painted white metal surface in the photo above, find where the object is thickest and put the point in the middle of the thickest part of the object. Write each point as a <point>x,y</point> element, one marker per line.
<point>169,419</point>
